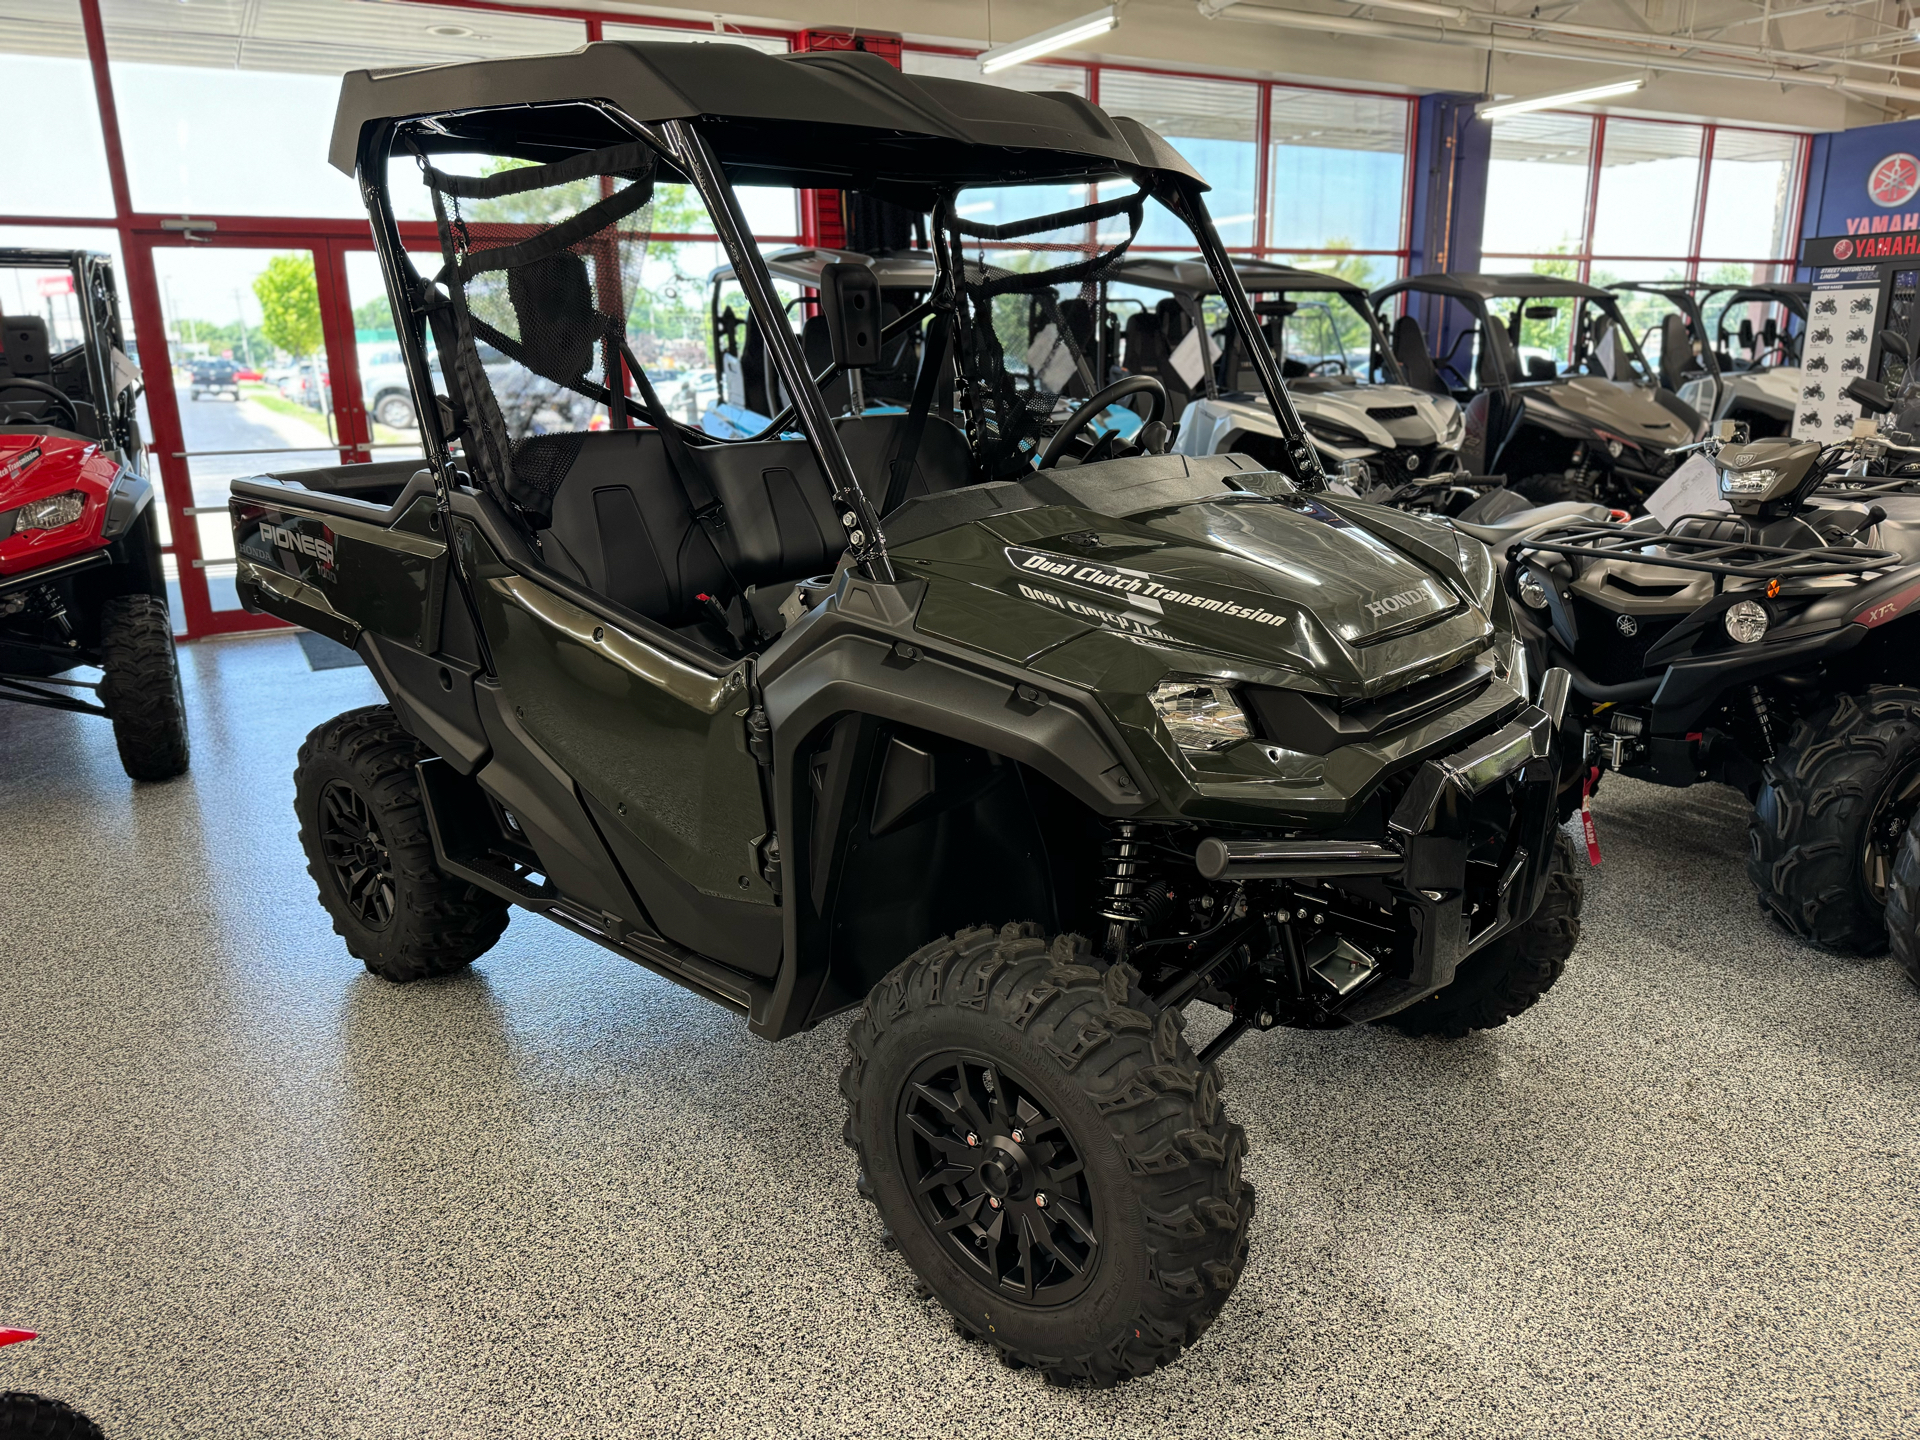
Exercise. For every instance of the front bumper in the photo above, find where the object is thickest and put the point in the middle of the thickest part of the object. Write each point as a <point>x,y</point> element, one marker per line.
<point>1466,859</point>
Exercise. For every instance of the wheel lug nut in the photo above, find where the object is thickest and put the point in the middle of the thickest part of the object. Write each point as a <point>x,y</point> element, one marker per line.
<point>994,1202</point>
<point>1040,1198</point>
<point>972,1139</point>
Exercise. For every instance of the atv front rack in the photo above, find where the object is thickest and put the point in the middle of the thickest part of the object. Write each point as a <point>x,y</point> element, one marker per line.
<point>1722,558</point>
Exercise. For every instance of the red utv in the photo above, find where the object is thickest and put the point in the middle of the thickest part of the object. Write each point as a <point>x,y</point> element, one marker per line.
<point>80,577</point>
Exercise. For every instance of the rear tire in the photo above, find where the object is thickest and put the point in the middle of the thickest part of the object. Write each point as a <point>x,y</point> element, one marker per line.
<point>1110,1112</point>
<point>141,687</point>
<point>1552,487</point>
<point>1829,817</point>
<point>24,1414</point>
<point>1506,976</point>
<point>1904,909</point>
<point>371,854</point>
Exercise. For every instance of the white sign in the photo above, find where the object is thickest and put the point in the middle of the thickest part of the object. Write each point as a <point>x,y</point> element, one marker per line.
<point>1694,488</point>
<point>1835,351</point>
<point>1049,361</point>
<point>1186,359</point>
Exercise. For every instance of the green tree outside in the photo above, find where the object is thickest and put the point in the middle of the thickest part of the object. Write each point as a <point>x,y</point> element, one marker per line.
<point>289,304</point>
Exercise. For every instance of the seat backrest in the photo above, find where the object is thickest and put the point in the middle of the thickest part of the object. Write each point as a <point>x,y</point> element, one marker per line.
<point>818,350</point>
<point>624,520</point>
<point>753,368</point>
<point>941,462</point>
<point>1410,349</point>
<point>1677,350</point>
<point>24,339</point>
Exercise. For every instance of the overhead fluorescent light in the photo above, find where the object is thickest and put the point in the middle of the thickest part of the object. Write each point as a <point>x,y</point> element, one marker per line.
<point>1019,52</point>
<point>1495,109</point>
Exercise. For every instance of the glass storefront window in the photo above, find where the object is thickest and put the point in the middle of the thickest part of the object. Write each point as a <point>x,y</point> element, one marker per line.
<point>1750,191</point>
<point>1212,124</point>
<point>1537,184</point>
<point>1337,173</point>
<point>1650,179</point>
<point>56,160</point>
<point>255,143</point>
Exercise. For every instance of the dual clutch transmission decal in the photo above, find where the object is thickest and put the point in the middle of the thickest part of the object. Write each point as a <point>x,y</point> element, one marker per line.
<point>1137,588</point>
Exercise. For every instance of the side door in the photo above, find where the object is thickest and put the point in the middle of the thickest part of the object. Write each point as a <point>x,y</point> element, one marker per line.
<point>653,740</point>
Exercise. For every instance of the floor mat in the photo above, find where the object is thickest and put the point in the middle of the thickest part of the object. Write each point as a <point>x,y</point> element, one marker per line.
<point>324,654</point>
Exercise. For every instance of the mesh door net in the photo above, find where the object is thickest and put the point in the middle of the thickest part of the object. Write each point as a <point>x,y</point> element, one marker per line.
<point>542,268</point>
<point>1023,351</point>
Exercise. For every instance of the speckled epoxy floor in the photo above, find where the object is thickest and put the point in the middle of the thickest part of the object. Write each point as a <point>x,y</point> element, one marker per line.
<point>247,1189</point>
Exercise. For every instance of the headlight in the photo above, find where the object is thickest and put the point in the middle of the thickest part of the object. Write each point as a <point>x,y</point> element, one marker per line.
<point>1201,715</point>
<point>51,513</point>
<point>1456,428</point>
<point>1748,482</point>
<point>1477,569</point>
<point>1747,621</point>
<point>1533,591</point>
<point>1509,658</point>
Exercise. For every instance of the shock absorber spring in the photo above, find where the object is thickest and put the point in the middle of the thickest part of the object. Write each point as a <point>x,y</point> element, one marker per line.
<point>1120,879</point>
<point>1764,721</point>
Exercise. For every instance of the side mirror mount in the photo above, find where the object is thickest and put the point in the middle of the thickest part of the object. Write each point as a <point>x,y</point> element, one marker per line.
<point>850,303</point>
<point>1732,432</point>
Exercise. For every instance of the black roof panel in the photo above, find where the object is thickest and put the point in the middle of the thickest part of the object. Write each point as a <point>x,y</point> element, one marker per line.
<point>1474,285</point>
<point>830,118</point>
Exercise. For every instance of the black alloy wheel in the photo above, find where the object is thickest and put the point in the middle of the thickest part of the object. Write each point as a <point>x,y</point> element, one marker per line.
<point>356,855</point>
<point>998,1179</point>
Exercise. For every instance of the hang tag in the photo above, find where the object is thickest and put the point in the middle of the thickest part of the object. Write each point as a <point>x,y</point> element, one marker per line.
<point>1587,822</point>
<point>1049,360</point>
<point>1188,360</point>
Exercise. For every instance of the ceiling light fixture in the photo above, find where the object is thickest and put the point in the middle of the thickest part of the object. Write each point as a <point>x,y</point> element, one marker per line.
<point>1495,110</point>
<point>1019,52</point>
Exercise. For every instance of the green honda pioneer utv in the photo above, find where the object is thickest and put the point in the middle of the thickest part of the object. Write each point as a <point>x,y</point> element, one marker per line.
<point>1009,734</point>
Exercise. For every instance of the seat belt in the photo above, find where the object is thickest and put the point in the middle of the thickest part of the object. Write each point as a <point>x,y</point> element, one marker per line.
<point>902,466</point>
<point>706,505</point>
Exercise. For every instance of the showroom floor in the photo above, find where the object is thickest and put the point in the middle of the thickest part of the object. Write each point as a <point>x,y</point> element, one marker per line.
<point>248,1189</point>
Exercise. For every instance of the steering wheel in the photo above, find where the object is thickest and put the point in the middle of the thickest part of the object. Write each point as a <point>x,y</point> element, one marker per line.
<point>1099,401</point>
<point>1333,365</point>
<point>51,392</point>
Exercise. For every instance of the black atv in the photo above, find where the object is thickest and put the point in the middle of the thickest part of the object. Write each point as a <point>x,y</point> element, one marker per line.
<point>1009,734</point>
<point>1771,646</point>
<point>81,583</point>
<point>1600,428</point>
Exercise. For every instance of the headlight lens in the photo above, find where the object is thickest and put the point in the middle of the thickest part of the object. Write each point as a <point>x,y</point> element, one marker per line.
<point>1533,591</point>
<point>1747,621</point>
<point>1201,715</point>
<point>1748,482</point>
<point>50,513</point>
<point>1509,658</point>
<point>1456,428</point>
<point>1477,569</point>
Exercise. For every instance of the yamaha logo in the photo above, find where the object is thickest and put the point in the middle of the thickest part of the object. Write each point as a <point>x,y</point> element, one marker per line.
<point>1627,625</point>
<point>1892,181</point>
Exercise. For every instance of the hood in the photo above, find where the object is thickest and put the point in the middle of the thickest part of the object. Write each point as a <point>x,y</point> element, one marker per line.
<point>1615,409</point>
<point>1282,582</point>
<point>1373,417</point>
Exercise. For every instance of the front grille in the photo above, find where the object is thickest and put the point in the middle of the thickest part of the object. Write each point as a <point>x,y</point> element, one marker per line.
<point>1320,724</point>
<point>1404,461</point>
<point>1392,412</point>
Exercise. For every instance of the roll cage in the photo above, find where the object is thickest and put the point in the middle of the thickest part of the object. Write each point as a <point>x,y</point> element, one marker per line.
<point>1496,340</point>
<point>1190,282</point>
<point>723,116</point>
<point>97,373</point>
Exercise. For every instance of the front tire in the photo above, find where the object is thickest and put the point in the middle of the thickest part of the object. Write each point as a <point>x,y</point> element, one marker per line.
<point>1829,817</point>
<point>24,1414</point>
<point>1046,1152</point>
<point>1508,975</point>
<point>371,855</point>
<point>141,687</point>
<point>1903,906</point>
